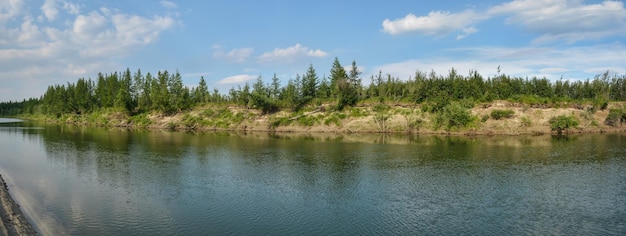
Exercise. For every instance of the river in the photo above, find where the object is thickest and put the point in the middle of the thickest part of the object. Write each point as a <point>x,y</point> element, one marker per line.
<point>95,181</point>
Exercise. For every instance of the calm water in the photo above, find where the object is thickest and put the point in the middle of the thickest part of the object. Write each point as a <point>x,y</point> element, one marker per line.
<point>88,181</point>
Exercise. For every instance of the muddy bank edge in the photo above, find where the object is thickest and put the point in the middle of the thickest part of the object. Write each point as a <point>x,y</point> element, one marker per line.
<point>13,220</point>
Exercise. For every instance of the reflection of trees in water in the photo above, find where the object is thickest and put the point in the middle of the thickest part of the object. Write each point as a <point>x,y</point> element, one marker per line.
<point>335,161</point>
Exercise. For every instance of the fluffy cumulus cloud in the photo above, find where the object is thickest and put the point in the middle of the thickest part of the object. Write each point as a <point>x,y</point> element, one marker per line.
<point>291,54</point>
<point>552,20</point>
<point>435,23</point>
<point>237,79</point>
<point>50,8</point>
<point>81,44</point>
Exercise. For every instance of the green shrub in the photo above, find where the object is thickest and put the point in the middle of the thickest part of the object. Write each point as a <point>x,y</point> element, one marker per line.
<point>525,122</point>
<point>307,120</point>
<point>280,121</point>
<point>484,118</point>
<point>415,123</point>
<point>563,123</point>
<point>467,103</point>
<point>208,113</point>
<point>601,104</point>
<point>190,122</point>
<point>357,112</point>
<point>501,114</point>
<point>454,116</point>
<point>334,119</point>
<point>141,120</point>
<point>615,118</point>
<point>238,118</point>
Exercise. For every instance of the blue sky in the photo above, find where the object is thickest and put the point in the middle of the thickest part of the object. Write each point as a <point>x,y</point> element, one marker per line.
<point>44,42</point>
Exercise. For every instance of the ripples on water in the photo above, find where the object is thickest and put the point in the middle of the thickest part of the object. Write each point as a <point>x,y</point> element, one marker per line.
<point>96,181</point>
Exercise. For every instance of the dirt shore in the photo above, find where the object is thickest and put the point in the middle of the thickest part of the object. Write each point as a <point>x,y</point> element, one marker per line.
<point>399,118</point>
<point>13,220</point>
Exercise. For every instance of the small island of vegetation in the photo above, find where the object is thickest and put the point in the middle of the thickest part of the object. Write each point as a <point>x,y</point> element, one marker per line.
<point>425,103</point>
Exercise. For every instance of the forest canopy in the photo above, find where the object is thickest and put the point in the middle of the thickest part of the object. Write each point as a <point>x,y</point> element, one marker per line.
<point>136,92</point>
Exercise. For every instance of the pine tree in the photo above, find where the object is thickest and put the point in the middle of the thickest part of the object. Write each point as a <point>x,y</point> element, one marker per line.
<point>137,89</point>
<point>145,102</point>
<point>123,96</point>
<point>337,74</point>
<point>309,85</point>
<point>201,93</point>
<point>324,89</point>
<point>178,97</point>
<point>275,87</point>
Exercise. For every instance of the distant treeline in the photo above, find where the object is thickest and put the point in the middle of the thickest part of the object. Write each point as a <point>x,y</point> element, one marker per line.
<point>165,92</point>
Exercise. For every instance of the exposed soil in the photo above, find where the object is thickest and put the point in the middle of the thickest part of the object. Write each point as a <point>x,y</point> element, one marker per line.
<point>13,220</point>
<point>401,118</point>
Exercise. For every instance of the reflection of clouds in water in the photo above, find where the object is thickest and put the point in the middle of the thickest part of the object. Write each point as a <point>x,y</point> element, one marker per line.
<point>30,205</point>
<point>10,120</point>
<point>95,181</point>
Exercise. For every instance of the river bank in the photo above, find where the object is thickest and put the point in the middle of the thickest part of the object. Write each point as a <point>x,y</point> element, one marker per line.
<point>522,119</point>
<point>13,220</point>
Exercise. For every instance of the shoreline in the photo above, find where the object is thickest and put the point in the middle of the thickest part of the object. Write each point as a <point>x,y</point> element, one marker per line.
<point>14,221</point>
<point>396,119</point>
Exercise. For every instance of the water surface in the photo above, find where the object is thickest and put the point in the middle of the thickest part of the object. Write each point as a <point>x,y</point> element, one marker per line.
<point>86,181</point>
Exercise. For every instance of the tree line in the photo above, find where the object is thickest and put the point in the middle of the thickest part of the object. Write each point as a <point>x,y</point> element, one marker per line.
<point>164,92</point>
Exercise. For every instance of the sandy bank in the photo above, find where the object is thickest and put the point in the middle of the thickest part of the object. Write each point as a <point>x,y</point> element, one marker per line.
<point>365,118</point>
<point>398,118</point>
<point>13,220</point>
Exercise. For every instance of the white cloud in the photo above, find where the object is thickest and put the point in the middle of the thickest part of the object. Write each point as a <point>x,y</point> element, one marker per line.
<point>41,54</point>
<point>168,4</point>
<point>466,32</point>
<point>552,20</point>
<point>236,55</point>
<point>237,79</point>
<point>30,35</point>
<point>530,61</point>
<point>436,23</point>
<point>49,9</point>
<point>9,9</point>
<point>291,54</point>
<point>71,8</point>
<point>571,21</point>
<point>136,30</point>
<point>88,28</point>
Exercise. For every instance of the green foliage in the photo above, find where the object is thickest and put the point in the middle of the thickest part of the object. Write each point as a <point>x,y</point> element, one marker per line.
<point>381,115</point>
<point>191,122</point>
<point>280,121</point>
<point>484,118</point>
<point>264,103</point>
<point>525,122</point>
<point>334,118</point>
<point>357,112</point>
<point>497,114</point>
<point>164,92</point>
<point>454,116</point>
<point>140,120</point>
<point>601,104</point>
<point>307,120</point>
<point>437,103</point>
<point>615,118</point>
<point>563,123</point>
